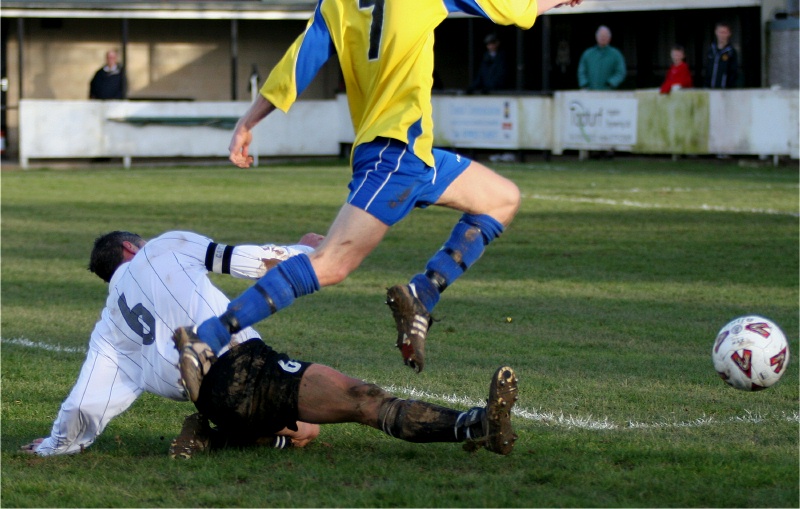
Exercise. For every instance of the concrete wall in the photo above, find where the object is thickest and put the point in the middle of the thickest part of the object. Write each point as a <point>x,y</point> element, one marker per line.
<point>133,129</point>
<point>755,122</point>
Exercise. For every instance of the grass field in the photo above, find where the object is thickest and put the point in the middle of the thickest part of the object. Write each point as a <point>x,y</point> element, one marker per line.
<point>616,276</point>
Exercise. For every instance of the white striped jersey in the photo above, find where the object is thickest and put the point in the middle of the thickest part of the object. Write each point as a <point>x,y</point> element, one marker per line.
<point>165,286</point>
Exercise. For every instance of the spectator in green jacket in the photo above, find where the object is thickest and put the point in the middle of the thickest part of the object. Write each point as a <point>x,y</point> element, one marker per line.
<point>601,67</point>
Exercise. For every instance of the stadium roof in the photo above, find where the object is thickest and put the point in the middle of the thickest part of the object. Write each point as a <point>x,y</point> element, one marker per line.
<point>282,9</point>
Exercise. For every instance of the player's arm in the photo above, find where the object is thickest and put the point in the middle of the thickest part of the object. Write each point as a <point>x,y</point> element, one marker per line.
<point>287,80</point>
<point>305,434</point>
<point>521,13</point>
<point>101,393</point>
<point>252,262</point>
<point>620,72</point>
<point>546,5</point>
<point>243,132</point>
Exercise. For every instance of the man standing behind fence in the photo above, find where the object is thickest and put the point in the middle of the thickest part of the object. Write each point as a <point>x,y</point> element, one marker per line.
<point>109,81</point>
<point>601,67</point>
<point>722,63</point>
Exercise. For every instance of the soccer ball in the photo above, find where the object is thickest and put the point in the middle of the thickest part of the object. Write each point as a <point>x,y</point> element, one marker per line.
<point>750,353</point>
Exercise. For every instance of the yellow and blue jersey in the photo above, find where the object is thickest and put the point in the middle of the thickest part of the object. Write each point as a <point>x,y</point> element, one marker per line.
<point>385,50</point>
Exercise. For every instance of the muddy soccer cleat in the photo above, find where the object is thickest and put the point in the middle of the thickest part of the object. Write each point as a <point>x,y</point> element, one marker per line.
<point>195,359</point>
<point>413,322</point>
<point>195,437</point>
<point>500,436</point>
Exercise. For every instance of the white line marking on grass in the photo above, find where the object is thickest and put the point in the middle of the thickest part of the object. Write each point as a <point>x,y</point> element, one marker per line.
<point>629,203</point>
<point>548,418</point>
<point>42,346</point>
<point>589,423</point>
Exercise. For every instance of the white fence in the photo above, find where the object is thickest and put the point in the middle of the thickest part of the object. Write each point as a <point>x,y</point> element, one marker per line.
<point>747,122</point>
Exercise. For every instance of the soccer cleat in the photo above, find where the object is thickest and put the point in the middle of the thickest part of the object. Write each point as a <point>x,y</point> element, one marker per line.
<point>195,437</point>
<point>413,322</point>
<point>195,359</point>
<point>498,435</point>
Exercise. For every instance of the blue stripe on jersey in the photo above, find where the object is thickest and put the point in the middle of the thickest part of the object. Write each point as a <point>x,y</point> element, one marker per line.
<point>316,48</point>
<point>414,130</point>
<point>465,6</point>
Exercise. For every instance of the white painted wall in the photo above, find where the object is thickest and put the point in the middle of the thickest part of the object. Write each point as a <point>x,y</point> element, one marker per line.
<point>755,122</point>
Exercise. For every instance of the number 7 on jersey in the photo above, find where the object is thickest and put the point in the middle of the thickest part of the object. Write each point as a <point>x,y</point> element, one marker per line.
<point>376,27</point>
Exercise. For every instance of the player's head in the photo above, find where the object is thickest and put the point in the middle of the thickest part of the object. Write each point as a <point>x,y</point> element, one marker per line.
<point>677,54</point>
<point>603,36</point>
<point>112,57</point>
<point>722,31</point>
<point>109,252</point>
<point>492,42</point>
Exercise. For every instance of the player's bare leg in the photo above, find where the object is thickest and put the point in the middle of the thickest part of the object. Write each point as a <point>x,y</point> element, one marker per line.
<point>480,190</point>
<point>328,396</point>
<point>352,236</point>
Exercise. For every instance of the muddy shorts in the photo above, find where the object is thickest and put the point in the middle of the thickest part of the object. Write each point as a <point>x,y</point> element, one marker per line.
<point>252,390</point>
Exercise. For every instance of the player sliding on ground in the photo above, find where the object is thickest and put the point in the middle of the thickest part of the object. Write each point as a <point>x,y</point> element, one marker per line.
<point>152,287</point>
<point>253,394</point>
<point>385,50</point>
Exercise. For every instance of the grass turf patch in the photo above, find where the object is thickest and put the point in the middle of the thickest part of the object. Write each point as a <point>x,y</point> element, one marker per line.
<point>615,276</point>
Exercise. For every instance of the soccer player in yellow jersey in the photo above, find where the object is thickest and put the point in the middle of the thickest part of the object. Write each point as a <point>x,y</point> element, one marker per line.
<point>385,49</point>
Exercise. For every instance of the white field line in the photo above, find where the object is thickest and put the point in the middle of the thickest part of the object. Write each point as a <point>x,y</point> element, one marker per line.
<point>42,346</point>
<point>590,423</point>
<point>642,205</point>
<point>547,418</point>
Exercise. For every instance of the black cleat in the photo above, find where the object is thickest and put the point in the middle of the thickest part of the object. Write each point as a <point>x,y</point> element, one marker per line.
<point>196,358</point>
<point>413,322</point>
<point>498,435</point>
<point>195,437</point>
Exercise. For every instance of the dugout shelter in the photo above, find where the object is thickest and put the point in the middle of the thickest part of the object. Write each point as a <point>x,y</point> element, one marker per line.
<point>207,51</point>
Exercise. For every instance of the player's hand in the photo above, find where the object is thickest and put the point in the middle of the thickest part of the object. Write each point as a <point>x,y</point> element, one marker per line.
<point>31,447</point>
<point>311,240</point>
<point>240,143</point>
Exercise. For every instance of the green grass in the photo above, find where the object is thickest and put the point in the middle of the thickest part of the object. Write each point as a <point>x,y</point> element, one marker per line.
<point>616,276</point>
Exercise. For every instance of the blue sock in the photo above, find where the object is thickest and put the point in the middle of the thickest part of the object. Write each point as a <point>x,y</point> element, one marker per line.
<point>276,290</point>
<point>461,250</point>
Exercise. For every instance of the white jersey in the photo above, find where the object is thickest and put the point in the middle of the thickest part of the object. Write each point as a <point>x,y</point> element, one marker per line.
<point>165,286</point>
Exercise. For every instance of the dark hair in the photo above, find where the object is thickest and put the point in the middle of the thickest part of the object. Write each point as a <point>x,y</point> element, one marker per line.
<point>678,47</point>
<point>107,253</point>
<point>723,24</point>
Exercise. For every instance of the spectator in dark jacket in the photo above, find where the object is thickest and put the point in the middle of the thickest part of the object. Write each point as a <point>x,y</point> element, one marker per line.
<point>493,70</point>
<point>722,64</point>
<point>109,81</point>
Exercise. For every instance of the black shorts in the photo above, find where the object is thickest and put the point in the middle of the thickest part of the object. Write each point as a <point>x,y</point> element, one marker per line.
<point>252,390</point>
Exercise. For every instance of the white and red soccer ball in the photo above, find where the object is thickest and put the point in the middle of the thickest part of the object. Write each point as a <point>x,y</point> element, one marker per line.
<point>750,353</point>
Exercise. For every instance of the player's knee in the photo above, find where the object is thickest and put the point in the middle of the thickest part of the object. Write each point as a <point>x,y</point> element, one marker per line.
<point>368,399</point>
<point>503,200</point>
<point>329,270</point>
<point>512,198</point>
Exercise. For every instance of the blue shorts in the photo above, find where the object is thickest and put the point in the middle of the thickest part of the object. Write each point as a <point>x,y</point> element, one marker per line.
<point>389,180</point>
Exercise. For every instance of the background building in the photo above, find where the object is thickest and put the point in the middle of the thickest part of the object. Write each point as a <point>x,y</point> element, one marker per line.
<point>207,51</point>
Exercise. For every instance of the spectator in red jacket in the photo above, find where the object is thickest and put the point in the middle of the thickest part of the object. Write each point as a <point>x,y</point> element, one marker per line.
<point>678,75</point>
